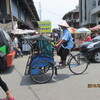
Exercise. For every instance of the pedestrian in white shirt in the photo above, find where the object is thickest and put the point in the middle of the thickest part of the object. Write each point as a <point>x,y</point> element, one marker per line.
<point>15,45</point>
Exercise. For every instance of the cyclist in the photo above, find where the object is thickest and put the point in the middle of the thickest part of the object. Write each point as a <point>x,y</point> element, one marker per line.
<point>65,43</point>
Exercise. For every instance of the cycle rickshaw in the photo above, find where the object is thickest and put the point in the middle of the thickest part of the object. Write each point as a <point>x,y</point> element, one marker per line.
<point>41,65</point>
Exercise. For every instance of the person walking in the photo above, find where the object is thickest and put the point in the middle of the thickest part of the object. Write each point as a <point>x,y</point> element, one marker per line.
<point>64,44</point>
<point>6,90</point>
<point>16,46</point>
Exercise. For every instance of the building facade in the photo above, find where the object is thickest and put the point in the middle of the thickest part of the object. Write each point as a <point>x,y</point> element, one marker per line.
<point>96,11</point>
<point>87,15</point>
<point>21,11</point>
<point>72,17</point>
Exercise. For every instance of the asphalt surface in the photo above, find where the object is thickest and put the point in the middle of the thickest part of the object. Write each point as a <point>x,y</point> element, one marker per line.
<point>65,86</point>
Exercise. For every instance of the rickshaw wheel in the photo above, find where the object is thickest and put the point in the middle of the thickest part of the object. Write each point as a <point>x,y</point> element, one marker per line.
<point>41,71</point>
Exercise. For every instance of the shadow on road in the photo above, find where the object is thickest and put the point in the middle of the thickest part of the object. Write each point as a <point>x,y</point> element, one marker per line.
<point>8,70</point>
<point>61,77</point>
<point>26,80</point>
<point>79,74</point>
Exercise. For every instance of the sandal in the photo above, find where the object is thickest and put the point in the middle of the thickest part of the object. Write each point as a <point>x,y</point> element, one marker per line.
<point>11,98</point>
<point>62,67</point>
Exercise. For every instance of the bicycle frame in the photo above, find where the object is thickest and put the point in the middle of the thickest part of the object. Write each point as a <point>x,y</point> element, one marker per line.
<point>72,55</point>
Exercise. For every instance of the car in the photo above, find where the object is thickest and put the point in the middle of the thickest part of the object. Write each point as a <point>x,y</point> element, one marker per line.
<point>92,49</point>
<point>6,51</point>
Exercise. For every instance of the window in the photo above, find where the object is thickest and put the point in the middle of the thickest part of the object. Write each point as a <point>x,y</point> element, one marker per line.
<point>98,2</point>
<point>3,6</point>
<point>85,11</point>
<point>98,22</point>
<point>99,15</point>
<point>94,4</point>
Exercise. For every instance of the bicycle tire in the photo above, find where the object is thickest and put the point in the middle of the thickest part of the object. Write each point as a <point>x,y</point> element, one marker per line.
<point>44,73</point>
<point>78,64</point>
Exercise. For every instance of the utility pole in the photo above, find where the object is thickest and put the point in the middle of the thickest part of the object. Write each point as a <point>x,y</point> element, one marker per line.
<point>89,19</point>
<point>11,14</point>
<point>40,10</point>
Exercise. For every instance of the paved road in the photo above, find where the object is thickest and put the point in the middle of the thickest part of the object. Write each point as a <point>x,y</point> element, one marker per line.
<point>65,86</point>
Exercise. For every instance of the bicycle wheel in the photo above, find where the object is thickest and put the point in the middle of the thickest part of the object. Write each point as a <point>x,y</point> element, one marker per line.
<point>41,71</point>
<point>78,64</point>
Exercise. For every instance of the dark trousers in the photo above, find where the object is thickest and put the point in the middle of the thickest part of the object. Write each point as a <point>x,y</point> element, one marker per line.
<point>63,53</point>
<point>3,85</point>
<point>18,50</point>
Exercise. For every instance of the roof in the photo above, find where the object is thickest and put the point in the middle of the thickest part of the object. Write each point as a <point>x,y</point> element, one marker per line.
<point>29,9</point>
<point>72,11</point>
<point>38,37</point>
<point>75,10</point>
<point>29,5</point>
<point>8,26</point>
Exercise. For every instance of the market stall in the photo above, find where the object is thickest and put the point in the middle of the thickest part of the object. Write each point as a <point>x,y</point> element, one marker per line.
<point>20,33</point>
<point>80,36</point>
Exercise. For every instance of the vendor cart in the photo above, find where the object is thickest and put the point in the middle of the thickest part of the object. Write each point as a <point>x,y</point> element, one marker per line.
<point>80,35</point>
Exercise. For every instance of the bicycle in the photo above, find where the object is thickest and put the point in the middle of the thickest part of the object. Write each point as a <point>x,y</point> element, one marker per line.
<point>41,66</point>
<point>77,63</point>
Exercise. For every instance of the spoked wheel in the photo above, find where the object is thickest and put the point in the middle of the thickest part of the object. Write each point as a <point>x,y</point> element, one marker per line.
<point>41,71</point>
<point>78,64</point>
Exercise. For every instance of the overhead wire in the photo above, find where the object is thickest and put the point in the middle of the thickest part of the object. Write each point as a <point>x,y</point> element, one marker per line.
<point>47,9</point>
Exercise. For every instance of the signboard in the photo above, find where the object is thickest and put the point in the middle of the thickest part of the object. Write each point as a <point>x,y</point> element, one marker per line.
<point>45,26</point>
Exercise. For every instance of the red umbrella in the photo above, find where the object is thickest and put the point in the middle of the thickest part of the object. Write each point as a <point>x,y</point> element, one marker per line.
<point>96,28</point>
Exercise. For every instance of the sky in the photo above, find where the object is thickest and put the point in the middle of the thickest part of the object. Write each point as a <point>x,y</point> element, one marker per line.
<point>54,10</point>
